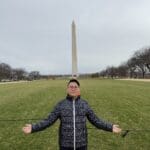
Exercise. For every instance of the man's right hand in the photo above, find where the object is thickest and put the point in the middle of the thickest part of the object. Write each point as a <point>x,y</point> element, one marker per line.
<point>27,129</point>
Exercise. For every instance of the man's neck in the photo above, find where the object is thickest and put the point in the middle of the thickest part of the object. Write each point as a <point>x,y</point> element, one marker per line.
<point>73,97</point>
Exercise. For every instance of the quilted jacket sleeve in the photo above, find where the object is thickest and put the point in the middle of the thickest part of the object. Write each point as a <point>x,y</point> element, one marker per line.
<point>97,122</point>
<point>52,117</point>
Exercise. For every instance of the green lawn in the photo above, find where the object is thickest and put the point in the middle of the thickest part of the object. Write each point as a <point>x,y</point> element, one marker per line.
<point>126,103</point>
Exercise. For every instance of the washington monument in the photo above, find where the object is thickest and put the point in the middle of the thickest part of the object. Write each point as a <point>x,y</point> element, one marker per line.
<point>74,52</point>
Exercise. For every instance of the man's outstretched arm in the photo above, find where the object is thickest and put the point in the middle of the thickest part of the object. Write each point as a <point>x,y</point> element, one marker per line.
<point>53,116</point>
<point>101,124</point>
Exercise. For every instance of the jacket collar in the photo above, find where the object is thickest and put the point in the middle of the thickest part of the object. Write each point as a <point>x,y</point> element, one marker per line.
<point>70,98</point>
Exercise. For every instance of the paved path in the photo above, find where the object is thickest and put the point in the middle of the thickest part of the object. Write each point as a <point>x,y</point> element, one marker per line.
<point>144,80</point>
<point>13,82</point>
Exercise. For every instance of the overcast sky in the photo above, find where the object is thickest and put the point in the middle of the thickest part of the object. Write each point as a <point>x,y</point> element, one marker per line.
<point>36,34</point>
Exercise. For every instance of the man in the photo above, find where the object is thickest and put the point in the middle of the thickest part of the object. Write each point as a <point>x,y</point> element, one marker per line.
<point>72,112</point>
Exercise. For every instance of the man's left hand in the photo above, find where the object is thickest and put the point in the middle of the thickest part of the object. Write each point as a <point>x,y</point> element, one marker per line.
<point>116,129</point>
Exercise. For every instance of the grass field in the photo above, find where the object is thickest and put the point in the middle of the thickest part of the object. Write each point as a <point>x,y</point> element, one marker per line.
<point>126,103</point>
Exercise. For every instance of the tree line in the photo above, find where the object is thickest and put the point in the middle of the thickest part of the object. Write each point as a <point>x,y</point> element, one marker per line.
<point>7,73</point>
<point>138,66</point>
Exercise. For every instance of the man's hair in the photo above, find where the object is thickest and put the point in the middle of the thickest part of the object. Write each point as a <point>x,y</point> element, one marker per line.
<point>74,80</point>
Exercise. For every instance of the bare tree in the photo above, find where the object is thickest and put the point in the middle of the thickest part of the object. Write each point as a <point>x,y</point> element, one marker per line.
<point>19,74</point>
<point>131,64</point>
<point>123,70</point>
<point>140,61</point>
<point>5,71</point>
<point>34,75</point>
<point>146,57</point>
<point>103,73</point>
<point>136,66</point>
<point>112,72</point>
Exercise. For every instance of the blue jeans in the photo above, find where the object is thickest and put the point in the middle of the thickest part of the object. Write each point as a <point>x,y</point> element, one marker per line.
<point>70,148</point>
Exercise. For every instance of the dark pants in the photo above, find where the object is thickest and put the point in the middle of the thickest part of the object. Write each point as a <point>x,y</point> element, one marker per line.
<point>67,148</point>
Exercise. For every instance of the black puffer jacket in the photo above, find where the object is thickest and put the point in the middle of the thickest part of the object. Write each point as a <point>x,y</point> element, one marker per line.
<point>72,115</point>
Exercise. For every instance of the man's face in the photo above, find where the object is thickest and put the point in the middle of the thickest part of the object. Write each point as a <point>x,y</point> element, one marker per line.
<point>73,89</point>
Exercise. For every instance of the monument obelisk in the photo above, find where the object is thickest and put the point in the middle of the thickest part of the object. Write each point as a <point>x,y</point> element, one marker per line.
<point>74,52</point>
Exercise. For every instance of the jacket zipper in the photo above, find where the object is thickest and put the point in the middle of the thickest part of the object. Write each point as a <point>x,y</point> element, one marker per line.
<point>74,127</point>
